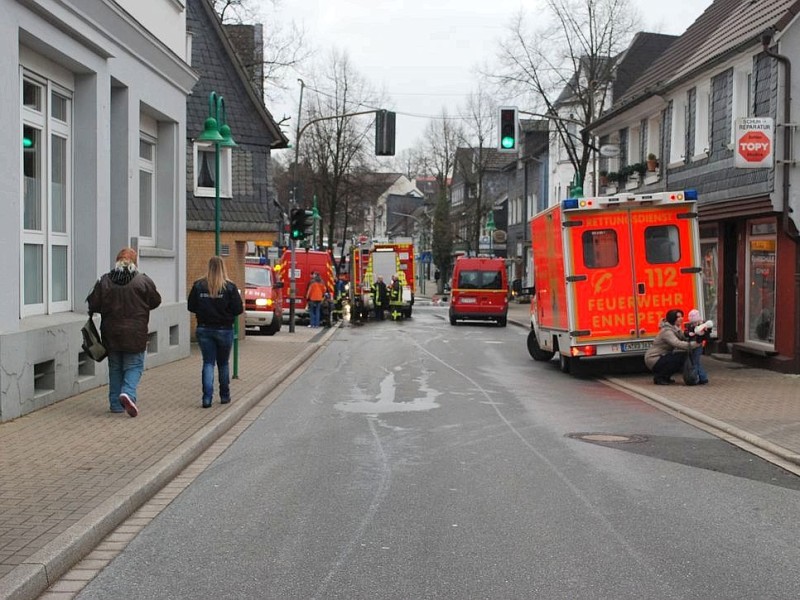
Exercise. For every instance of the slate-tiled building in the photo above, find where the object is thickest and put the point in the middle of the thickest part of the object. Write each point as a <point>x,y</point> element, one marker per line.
<point>248,215</point>
<point>684,108</point>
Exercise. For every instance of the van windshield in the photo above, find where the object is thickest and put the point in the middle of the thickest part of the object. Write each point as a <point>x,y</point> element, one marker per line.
<point>257,277</point>
<point>479,280</point>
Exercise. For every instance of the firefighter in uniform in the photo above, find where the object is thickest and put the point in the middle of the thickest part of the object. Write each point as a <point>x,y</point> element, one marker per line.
<point>380,298</point>
<point>395,298</point>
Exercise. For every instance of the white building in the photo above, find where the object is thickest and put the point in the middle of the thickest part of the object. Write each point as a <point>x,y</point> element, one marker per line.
<point>95,90</point>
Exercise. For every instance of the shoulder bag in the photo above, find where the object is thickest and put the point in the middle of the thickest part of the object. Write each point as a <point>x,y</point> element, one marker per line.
<point>92,344</point>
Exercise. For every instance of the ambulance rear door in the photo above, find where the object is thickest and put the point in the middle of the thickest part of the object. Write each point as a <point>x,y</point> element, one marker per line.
<point>630,260</point>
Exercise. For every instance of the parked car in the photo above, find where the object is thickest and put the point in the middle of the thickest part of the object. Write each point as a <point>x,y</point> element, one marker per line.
<point>263,298</point>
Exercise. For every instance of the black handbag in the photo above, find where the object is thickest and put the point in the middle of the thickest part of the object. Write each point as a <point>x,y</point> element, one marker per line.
<point>92,344</point>
<point>690,374</point>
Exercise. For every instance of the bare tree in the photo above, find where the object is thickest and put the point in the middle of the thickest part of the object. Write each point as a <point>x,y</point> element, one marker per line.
<point>568,61</point>
<point>479,135</point>
<point>335,145</point>
<point>285,45</point>
<point>438,158</point>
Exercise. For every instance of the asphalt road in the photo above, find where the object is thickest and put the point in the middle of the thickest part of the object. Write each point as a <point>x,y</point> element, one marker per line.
<point>419,460</point>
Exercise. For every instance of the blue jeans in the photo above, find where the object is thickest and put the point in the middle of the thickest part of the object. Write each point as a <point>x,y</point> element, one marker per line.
<point>701,372</point>
<point>124,372</point>
<point>314,311</point>
<point>215,345</point>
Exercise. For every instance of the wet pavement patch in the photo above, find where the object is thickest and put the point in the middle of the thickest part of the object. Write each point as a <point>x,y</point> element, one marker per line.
<point>608,438</point>
<point>710,454</point>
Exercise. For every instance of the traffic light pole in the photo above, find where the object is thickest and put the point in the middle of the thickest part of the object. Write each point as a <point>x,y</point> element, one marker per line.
<point>292,286</point>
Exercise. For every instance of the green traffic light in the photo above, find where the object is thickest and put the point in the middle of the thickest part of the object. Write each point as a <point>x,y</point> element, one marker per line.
<point>507,142</point>
<point>27,142</point>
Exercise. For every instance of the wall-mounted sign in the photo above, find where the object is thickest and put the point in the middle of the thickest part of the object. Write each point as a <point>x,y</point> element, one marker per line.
<point>754,143</point>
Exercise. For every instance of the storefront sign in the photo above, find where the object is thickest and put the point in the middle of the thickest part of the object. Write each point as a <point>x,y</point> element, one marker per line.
<point>754,143</point>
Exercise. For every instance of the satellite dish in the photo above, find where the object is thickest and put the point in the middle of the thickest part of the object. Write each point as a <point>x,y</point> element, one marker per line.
<point>499,236</point>
<point>609,150</point>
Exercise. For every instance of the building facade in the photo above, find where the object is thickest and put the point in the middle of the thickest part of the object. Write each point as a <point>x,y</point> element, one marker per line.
<point>730,67</point>
<point>96,92</point>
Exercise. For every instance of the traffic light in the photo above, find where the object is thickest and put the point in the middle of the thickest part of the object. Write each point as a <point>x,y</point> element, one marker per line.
<point>508,139</point>
<point>384,133</point>
<point>299,222</point>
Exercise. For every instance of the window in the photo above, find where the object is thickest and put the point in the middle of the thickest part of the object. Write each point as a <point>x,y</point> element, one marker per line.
<point>662,244</point>
<point>701,124</point>
<point>600,248</point>
<point>742,95</point>
<point>678,133</point>
<point>761,261</point>
<point>205,171</point>
<point>147,189</point>
<point>479,280</point>
<point>46,196</point>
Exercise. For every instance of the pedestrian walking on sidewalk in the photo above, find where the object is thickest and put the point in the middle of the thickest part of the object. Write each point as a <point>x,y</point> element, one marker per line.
<point>124,298</point>
<point>216,302</point>
<point>668,352</point>
<point>699,332</point>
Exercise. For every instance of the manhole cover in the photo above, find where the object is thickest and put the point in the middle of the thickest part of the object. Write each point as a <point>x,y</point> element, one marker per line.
<point>608,438</point>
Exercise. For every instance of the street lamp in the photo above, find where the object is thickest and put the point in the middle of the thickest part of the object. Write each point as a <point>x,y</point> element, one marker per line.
<point>216,131</point>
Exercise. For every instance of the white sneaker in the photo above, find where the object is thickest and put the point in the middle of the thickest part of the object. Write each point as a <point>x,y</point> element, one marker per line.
<point>128,404</point>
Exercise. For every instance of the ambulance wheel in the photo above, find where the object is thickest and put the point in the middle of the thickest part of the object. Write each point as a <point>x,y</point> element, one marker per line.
<point>274,327</point>
<point>564,363</point>
<point>502,321</point>
<point>535,351</point>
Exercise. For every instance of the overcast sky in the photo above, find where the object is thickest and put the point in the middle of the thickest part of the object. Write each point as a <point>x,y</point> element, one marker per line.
<point>423,53</point>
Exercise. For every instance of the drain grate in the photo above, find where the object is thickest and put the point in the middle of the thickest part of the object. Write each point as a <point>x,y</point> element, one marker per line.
<point>608,438</point>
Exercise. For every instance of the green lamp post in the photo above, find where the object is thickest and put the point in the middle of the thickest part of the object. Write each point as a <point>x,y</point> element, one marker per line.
<point>217,131</point>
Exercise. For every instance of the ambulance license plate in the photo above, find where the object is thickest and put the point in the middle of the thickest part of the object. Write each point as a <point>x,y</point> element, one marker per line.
<point>635,346</point>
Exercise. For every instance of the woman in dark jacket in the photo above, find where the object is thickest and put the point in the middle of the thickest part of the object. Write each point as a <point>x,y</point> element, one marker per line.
<point>124,298</point>
<point>216,302</point>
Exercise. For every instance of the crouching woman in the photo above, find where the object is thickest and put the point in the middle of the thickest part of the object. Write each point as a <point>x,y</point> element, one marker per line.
<point>668,352</point>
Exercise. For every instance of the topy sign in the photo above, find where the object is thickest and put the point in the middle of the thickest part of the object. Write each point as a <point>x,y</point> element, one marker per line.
<point>754,141</point>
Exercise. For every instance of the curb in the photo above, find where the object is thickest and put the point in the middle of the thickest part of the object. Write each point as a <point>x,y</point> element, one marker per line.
<point>735,432</point>
<point>43,568</point>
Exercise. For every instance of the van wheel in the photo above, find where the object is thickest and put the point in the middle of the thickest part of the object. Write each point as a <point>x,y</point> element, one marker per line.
<point>535,351</point>
<point>452,320</point>
<point>564,363</point>
<point>502,321</point>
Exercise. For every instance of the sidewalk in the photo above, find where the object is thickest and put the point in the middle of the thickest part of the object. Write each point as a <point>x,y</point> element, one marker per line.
<point>72,472</point>
<point>759,408</point>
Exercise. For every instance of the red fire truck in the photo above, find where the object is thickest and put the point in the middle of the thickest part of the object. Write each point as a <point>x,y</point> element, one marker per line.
<point>607,269</point>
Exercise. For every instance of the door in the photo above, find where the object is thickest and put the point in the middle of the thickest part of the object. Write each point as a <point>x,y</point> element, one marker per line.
<point>629,266</point>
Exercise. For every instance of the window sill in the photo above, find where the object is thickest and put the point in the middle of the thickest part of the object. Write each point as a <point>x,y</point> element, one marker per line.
<point>755,349</point>
<point>652,177</point>
<point>156,252</point>
<point>701,156</point>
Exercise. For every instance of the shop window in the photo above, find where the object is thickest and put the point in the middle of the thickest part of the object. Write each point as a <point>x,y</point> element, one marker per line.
<point>761,262</point>
<point>709,251</point>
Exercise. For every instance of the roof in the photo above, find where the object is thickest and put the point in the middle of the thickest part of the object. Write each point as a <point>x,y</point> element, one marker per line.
<point>210,71</point>
<point>725,28</point>
<point>643,49</point>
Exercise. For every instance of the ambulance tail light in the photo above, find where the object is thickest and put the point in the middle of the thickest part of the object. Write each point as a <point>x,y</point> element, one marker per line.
<point>583,350</point>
